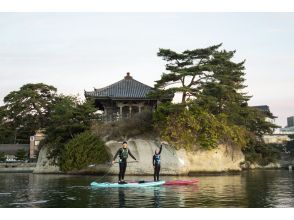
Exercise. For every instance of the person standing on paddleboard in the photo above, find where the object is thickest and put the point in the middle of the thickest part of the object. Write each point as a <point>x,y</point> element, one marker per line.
<point>123,154</point>
<point>156,163</point>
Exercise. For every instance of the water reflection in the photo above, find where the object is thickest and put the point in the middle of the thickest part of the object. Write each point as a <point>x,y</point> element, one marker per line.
<point>269,189</point>
<point>156,198</point>
<point>121,198</point>
<point>249,189</point>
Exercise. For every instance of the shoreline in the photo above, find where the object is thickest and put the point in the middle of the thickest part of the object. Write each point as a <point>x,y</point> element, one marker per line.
<point>17,167</point>
<point>191,174</point>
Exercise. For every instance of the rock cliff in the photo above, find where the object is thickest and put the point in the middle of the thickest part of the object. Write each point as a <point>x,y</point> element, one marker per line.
<point>173,162</point>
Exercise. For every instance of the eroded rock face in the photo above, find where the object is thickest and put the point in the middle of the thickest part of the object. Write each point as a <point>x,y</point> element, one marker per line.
<point>44,165</point>
<point>173,162</point>
<point>178,162</point>
<point>221,159</point>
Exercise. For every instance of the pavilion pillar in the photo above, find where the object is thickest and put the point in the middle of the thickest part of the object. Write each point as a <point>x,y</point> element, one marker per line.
<point>140,107</point>
<point>120,111</point>
<point>105,114</point>
<point>130,110</point>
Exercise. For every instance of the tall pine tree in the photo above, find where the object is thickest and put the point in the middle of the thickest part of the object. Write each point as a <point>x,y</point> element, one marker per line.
<point>186,71</point>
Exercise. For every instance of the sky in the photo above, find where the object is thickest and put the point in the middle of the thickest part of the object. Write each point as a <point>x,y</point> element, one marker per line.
<point>79,51</point>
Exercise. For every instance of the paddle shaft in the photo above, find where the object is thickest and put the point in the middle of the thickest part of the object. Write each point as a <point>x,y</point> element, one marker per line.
<point>98,180</point>
<point>109,163</point>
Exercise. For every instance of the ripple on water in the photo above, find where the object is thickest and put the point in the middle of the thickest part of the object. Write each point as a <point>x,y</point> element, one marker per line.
<point>28,203</point>
<point>5,194</point>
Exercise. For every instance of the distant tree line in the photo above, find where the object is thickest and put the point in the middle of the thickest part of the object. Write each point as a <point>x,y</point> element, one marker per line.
<point>38,106</point>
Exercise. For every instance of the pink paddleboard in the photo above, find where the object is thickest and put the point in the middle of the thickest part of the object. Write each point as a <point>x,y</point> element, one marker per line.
<point>181,182</point>
<point>173,182</point>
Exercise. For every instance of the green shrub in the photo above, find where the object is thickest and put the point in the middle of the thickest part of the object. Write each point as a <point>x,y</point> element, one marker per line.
<point>2,156</point>
<point>290,146</point>
<point>84,149</point>
<point>140,123</point>
<point>21,154</point>
<point>261,153</point>
<point>194,126</point>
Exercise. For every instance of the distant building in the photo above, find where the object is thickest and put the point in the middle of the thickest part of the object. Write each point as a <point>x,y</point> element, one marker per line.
<point>124,98</point>
<point>289,129</point>
<point>276,138</point>
<point>10,150</point>
<point>265,108</point>
<point>290,121</point>
<point>34,144</point>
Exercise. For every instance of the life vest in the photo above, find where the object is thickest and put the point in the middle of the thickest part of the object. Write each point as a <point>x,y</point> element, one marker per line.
<point>124,153</point>
<point>157,159</point>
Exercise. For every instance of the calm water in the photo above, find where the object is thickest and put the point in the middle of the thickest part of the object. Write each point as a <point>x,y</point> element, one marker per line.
<point>273,188</point>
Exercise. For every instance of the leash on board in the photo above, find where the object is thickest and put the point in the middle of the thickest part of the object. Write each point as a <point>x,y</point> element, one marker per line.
<point>100,178</point>
<point>110,165</point>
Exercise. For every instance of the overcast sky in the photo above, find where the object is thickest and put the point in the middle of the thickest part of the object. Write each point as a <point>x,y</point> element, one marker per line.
<point>77,51</point>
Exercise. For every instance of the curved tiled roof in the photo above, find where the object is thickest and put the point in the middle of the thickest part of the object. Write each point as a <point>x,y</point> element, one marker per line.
<point>125,88</point>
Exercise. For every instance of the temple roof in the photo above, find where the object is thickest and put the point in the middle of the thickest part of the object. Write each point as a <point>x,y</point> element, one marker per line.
<point>125,88</point>
<point>264,108</point>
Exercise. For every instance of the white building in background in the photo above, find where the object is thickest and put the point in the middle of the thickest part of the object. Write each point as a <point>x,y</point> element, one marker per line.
<point>265,109</point>
<point>279,136</point>
<point>276,138</point>
<point>289,129</point>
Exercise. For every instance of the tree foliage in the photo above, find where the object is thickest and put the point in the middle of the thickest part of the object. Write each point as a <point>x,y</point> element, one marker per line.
<point>290,145</point>
<point>37,106</point>
<point>214,107</point>
<point>81,151</point>
<point>186,71</point>
<point>21,154</point>
<point>139,124</point>
<point>2,157</point>
<point>195,127</point>
<point>26,111</point>
<point>69,117</point>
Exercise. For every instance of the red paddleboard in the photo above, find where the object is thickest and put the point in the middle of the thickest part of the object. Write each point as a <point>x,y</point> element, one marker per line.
<point>181,182</point>
<point>171,182</point>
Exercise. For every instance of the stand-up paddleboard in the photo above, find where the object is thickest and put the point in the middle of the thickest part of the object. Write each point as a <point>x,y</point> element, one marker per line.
<point>171,182</point>
<point>126,185</point>
<point>181,182</point>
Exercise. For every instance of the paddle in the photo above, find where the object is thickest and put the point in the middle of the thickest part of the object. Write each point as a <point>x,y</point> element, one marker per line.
<point>165,144</point>
<point>110,163</point>
<point>172,152</point>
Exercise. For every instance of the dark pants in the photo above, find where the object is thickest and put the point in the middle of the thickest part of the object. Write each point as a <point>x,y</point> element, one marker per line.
<point>122,170</point>
<point>156,172</point>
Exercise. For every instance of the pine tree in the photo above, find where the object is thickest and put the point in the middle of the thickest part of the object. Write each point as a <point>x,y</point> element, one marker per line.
<point>186,71</point>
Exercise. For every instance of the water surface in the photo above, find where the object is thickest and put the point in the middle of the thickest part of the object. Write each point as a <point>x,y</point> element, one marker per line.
<point>260,188</point>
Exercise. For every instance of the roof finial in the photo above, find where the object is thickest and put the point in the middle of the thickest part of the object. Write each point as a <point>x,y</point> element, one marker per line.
<point>128,76</point>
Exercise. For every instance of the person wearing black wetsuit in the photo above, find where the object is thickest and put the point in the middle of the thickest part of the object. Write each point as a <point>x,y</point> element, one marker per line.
<point>156,163</point>
<point>123,154</point>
